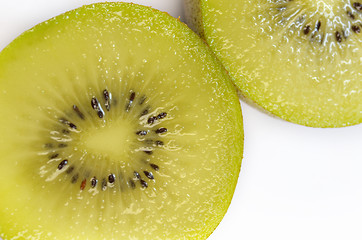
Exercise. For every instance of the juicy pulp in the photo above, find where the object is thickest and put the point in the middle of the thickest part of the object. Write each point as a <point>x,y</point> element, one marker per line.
<point>120,47</point>
<point>302,76</point>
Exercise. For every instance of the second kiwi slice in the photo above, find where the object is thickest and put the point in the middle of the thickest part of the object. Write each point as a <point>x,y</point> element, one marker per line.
<point>116,123</point>
<point>298,59</point>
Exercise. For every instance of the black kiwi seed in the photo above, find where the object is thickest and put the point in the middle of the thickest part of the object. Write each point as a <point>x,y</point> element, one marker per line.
<point>62,164</point>
<point>111,178</point>
<point>154,166</point>
<point>306,29</point>
<point>338,36</point>
<point>356,29</point>
<point>151,120</point>
<point>62,145</point>
<point>142,133</point>
<point>148,175</point>
<point>94,182</point>
<point>132,96</point>
<point>350,15</point>
<point>94,103</point>
<point>79,113</point>
<point>357,6</point>
<point>55,155</point>
<point>131,99</point>
<point>75,178</point>
<point>100,114</point>
<point>106,94</point>
<point>107,98</point>
<point>149,152</point>
<point>318,26</point>
<point>144,184</point>
<point>161,130</point>
<point>137,175</point>
<point>65,121</point>
<point>162,115</point>
<point>96,106</point>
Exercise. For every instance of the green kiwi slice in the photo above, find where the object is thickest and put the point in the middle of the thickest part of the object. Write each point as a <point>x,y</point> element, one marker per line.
<point>117,122</point>
<point>298,59</point>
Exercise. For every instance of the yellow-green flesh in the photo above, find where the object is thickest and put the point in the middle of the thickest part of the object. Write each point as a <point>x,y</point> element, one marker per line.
<point>121,48</point>
<point>306,78</point>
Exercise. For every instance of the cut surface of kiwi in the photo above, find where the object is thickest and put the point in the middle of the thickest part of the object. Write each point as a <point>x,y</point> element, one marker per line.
<point>298,59</point>
<point>117,122</point>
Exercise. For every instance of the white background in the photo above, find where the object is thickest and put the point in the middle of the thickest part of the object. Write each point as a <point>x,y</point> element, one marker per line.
<point>295,183</point>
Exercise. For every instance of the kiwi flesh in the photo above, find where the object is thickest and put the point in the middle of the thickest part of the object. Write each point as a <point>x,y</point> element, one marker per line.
<point>298,59</point>
<point>117,123</point>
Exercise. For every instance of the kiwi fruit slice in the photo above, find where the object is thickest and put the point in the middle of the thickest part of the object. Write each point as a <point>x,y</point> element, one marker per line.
<point>298,59</point>
<point>117,123</point>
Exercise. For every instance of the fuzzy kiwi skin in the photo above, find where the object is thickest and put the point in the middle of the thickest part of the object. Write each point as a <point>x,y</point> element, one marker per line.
<point>346,113</point>
<point>8,229</point>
